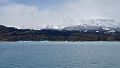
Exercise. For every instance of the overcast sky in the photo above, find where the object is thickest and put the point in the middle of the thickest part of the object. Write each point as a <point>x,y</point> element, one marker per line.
<point>34,13</point>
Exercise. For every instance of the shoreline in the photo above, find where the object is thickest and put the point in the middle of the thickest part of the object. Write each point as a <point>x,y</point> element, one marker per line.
<point>59,41</point>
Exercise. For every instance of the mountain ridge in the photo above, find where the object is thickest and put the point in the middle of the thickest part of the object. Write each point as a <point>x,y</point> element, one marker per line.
<point>85,24</point>
<point>14,34</point>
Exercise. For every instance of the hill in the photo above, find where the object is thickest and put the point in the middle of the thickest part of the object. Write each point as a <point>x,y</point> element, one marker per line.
<point>99,34</point>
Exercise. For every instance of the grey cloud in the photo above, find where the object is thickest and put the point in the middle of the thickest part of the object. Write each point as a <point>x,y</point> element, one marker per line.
<point>69,13</point>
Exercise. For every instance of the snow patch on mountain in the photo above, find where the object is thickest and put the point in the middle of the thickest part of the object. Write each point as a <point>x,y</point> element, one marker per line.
<point>52,27</point>
<point>95,24</point>
<point>86,25</point>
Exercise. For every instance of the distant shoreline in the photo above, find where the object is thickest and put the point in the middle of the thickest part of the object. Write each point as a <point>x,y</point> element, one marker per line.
<point>59,41</point>
<point>14,34</point>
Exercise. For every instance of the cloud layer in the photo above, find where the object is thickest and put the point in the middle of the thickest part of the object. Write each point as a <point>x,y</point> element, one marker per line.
<point>67,13</point>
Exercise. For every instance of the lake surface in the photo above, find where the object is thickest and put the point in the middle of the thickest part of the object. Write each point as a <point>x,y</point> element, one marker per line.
<point>59,54</point>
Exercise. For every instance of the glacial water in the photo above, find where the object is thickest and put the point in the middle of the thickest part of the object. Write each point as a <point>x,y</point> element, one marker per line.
<point>59,54</point>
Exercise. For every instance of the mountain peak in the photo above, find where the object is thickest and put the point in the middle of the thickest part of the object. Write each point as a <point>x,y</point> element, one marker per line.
<point>100,22</point>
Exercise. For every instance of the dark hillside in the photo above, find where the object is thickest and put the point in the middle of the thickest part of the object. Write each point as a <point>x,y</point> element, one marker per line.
<point>14,34</point>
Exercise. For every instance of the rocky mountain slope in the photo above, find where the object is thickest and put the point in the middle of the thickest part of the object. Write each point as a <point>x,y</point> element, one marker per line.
<point>74,33</point>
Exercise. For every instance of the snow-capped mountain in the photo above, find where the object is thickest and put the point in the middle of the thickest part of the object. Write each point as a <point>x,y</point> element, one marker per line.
<point>97,24</point>
<point>51,27</point>
<point>100,22</point>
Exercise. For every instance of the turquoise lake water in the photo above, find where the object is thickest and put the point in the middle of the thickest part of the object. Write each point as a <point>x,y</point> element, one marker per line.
<point>59,54</point>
